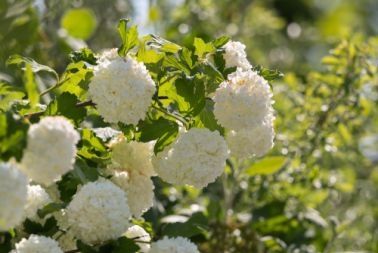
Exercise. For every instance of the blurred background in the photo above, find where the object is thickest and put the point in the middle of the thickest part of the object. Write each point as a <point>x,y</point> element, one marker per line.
<point>317,191</point>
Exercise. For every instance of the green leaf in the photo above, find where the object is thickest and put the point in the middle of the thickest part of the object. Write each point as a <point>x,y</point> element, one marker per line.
<point>206,118</point>
<point>76,79</point>
<point>31,86</point>
<point>129,37</point>
<point>35,66</point>
<point>79,23</point>
<point>50,208</point>
<point>125,245</point>
<point>192,92</point>
<point>220,42</point>
<point>13,135</point>
<point>268,74</point>
<point>65,105</point>
<point>48,229</point>
<point>164,45</point>
<point>266,166</point>
<point>9,95</point>
<point>91,147</point>
<point>85,248</point>
<point>161,129</point>
<point>85,55</point>
<point>202,48</point>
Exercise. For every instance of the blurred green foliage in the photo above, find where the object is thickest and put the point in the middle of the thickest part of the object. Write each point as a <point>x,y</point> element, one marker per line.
<point>318,189</point>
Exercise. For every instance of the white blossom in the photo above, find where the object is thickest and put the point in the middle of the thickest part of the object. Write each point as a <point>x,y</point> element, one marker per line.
<point>197,158</point>
<point>243,101</point>
<point>138,233</point>
<point>50,150</point>
<point>235,55</point>
<point>13,195</point>
<point>37,199</point>
<point>122,89</point>
<point>139,190</point>
<point>132,157</point>
<point>256,141</point>
<point>98,212</point>
<point>38,244</point>
<point>173,245</point>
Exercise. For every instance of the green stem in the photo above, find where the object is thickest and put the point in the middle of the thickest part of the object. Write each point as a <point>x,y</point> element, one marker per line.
<point>165,111</point>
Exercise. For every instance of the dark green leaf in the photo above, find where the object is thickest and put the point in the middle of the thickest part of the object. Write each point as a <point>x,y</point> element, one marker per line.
<point>50,208</point>
<point>125,245</point>
<point>65,105</point>
<point>85,248</point>
<point>85,55</point>
<point>220,42</point>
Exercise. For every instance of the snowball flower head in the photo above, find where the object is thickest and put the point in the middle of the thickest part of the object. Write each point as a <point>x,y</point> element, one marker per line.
<point>196,158</point>
<point>98,212</point>
<point>51,150</point>
<point>132,156</point>
<point>37,199</point>
<point>139,190</point>
<point>235,55</point>
<point>256,141</point>
<point>173,245</point>
<point>243,101</point>
<point>13,194</point>
<point>122,89</point>
<point>38,244</point>
<point>138,233</point>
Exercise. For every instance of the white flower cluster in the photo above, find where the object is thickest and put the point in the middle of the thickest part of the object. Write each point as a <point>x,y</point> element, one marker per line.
<point>235,55</point>
<point>131,170</point>
<point>122,89</point>
<point>173,245</point>
<point>13,195</point>
<point>255,141</point>
<point>38,244</point>
<point>243,105</point>
<point>50,150</point>
<point>37,198</point>
<point>98,212</point>
<point>196,158</point>
<point>138,233</point>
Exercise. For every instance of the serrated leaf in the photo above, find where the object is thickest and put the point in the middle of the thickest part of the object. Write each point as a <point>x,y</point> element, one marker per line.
<point>268,74</point>
<point>129,37</point>
<point>202,48</point>
<point>266,166</point>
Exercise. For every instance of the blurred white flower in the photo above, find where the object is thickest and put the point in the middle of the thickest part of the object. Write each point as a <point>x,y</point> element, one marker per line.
<point>38,244</point>
<point>13,195</point>
<point>139,190</point>
<point>196,158</point>
<point>37,199</point>
<point>256,141</point>
<point>132,157</point>
<point>243,101</point>
<point>98,212</point>
<point>138,233</point>
<point>122,88</point>
<point>235,55</point>
<point>173,245</point>
<point>50,150</point>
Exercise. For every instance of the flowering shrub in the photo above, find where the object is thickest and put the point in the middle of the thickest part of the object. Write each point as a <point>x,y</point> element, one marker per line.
<point>116,122</point>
